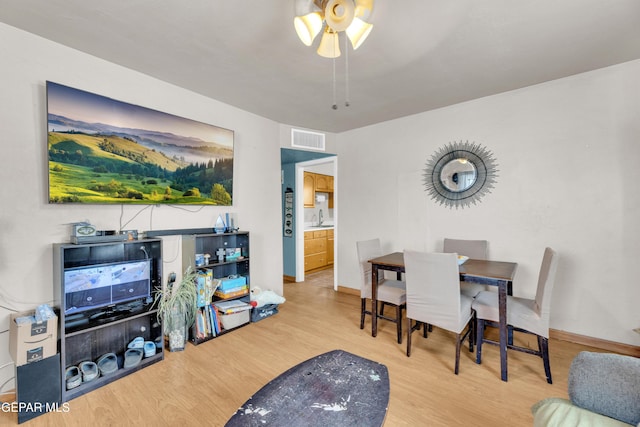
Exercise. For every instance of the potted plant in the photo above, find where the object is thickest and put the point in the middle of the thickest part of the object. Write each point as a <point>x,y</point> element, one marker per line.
<point>177,306</point>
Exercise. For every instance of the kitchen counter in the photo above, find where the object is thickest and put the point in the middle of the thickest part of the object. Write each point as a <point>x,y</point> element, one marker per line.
<point>315,227</point>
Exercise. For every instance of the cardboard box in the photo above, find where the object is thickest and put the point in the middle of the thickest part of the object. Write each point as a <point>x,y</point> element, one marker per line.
<point>32,341</point>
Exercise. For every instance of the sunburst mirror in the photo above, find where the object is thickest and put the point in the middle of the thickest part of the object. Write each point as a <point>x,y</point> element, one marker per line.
<point>460,174</point>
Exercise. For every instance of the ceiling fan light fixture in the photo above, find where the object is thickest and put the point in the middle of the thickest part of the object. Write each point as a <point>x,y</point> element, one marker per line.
<point>339,14</point>
<point>358,32</point>
<point>307,27</point>
<point>329,46</point>
<point>351,17</point>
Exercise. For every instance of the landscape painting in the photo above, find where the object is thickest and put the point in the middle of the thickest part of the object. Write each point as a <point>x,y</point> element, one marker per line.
<point>104,151</point>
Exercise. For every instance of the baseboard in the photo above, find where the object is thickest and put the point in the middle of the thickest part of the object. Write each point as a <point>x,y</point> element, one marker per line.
<point>612,346</point>
<point>289,279</point>
<point>350,291</point>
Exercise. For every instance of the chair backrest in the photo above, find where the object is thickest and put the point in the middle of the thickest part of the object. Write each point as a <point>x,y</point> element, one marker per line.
<point>546,281</point>
<point>433,288</point>
<point>475,249</point>
<point>367,249</point>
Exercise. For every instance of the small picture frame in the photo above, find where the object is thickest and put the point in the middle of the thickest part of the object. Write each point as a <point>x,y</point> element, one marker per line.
<point>233,253</point>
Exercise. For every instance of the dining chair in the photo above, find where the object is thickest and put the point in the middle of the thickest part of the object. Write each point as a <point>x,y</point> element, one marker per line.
<point>434,297</point>
<point>390,291</point>
<point>523,315</point>
<point>475,249</point>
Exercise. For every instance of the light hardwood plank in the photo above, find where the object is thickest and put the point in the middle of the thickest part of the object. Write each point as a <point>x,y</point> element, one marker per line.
<point>205,384</point>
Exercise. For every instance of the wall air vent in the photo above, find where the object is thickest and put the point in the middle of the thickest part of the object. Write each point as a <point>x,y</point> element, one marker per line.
<point>307,139</point>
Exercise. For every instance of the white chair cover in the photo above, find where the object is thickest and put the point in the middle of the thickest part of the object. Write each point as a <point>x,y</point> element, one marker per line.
<point>433,292</point>
<point>389,290</point>
<point>529,314</point>
<point>475,249</point>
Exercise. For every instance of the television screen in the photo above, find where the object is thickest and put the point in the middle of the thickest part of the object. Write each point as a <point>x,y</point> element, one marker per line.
<point>105,151</point>
<point>97,286</point>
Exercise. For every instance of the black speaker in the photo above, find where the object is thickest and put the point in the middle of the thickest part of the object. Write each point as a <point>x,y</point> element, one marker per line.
<point>38,388</point>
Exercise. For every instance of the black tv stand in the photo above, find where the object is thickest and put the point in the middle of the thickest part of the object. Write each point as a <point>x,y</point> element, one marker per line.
<point>88,335</point>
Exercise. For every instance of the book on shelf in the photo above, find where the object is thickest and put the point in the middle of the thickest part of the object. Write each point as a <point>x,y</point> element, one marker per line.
<point>212,316</point>
<point>230,307</point>
<point>207,324</point>
<point>206,313</point>
<point>199,326</point>
<point>215,319</point>
<point>221,294</point>
<point>232,290</point>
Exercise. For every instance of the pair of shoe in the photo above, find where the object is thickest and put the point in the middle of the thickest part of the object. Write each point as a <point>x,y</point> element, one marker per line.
<point>134,353</point>
<point>149,347</point>
<point>107,364</point>
<point>83,373</point>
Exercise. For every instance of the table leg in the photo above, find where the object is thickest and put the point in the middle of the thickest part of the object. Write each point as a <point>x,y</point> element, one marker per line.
<point>502,307</point>
<point>374,300</point>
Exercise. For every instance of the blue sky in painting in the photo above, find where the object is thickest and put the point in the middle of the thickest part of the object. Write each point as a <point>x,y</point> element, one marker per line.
<point>92,108</point>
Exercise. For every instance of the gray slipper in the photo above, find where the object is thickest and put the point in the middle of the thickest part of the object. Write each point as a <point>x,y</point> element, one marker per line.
<point>132,357</point>
<point>107,364</point>
<point>149,348</point>
<point>89,371</point>
<point>137,342</point>
<point>72,377</point>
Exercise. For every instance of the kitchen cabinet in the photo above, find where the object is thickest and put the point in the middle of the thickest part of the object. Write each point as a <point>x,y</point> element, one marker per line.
<point>315,249</point>
<point>309,190</point>
<point>330,247</point>
<point>324,183</point>
<point>316,182</point>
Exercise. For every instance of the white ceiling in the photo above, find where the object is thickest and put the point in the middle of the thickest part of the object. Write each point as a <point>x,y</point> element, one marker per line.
<point>421,54</point>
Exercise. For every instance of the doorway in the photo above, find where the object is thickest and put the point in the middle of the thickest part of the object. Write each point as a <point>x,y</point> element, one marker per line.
<point>294,163</point>
<point>311,216</point>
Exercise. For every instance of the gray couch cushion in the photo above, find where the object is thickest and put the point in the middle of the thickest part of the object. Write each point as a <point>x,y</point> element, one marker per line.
<point>608,384</point>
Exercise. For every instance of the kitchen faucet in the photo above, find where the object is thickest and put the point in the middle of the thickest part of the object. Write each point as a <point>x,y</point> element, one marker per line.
<point>320,219</point>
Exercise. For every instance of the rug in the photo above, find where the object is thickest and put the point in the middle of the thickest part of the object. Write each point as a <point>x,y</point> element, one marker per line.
<point>333,389</point>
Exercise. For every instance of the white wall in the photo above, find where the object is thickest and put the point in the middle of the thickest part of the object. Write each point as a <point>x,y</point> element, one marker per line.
<point>29,226</point>
<point>567,153</point>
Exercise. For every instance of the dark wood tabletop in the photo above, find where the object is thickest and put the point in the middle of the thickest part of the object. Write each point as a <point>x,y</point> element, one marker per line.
<point>498,270</point>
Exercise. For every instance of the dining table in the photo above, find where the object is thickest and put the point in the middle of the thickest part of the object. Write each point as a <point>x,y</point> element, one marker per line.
<point>485,272</point>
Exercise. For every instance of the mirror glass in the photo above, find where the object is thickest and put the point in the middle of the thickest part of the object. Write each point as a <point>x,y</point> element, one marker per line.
<point>458,175</point>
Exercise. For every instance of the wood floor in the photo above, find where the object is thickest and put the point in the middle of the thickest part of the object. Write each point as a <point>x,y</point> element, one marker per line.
<point>205,384</point>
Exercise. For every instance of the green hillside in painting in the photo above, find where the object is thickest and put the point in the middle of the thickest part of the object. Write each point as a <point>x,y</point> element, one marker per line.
<point>112,169</point>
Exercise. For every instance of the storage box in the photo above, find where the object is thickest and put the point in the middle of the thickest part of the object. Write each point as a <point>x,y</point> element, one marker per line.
<point>233,320</point>
<point>259,313</point>
<point>32,341</point>
<point>226,283</point>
